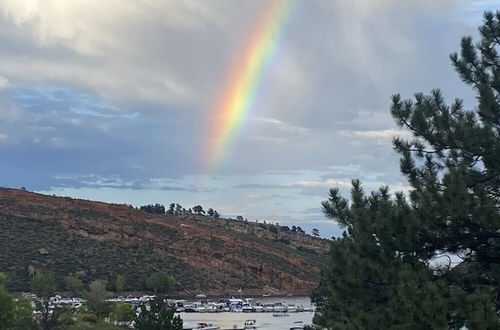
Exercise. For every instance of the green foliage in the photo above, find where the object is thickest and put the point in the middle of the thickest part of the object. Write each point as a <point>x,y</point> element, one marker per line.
<point>122,312</point>
<point>43,285</point>
<point>120,282</point>
<point>4,278</point>
<point>158,317</point>
<point>86,321</point>
<point>73,284</point>
<point>382,274</point>
<point>96,295</point>
<point>6,310</point>
<point>23,314</point>
<point>72,254</point>
<point>161,282</point>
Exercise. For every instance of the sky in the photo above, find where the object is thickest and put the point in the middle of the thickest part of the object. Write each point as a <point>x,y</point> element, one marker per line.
<point>116,100</point>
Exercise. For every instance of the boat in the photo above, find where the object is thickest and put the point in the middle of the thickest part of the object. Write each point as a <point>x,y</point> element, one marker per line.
<point>297,325</point>
<point>247,308</point>
<point>205,326</point>
<point>266,295</point>
<point>258,308</point>
<point>280,314</point>
<point>280,307</point>
<point>200,296</point>
<point>250,325</point>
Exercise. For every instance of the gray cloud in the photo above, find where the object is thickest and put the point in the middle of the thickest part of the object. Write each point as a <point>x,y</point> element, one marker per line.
<point>113,95</point>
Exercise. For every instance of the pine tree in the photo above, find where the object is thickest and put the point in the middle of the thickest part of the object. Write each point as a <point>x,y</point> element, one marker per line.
<point>382,273</point>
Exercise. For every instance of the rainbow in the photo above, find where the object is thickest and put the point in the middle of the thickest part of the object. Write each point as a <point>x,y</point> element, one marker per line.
<point>238,96</point>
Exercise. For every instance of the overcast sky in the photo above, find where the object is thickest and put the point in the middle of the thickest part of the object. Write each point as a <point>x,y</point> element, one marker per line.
<point>110,100</point>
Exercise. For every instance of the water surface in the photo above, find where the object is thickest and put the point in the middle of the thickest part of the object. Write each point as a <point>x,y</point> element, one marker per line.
<point>265,321</point>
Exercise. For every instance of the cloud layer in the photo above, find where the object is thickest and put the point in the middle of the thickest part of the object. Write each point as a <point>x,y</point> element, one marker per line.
<point>110,99</point>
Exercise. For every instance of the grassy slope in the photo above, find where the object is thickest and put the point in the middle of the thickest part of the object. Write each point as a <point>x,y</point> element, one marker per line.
<point>21,238</point>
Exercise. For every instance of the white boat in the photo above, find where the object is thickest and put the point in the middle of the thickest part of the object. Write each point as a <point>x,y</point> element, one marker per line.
<point>280,307</point>
<point>250,325</point>
<point>247,308</point>
<point>258,308</point>
<point>269,308</point>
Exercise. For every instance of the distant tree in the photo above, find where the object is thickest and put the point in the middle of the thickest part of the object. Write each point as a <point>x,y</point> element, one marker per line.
<point>161,282</point>
<point>286,228</point>
<point>6,310</point>
<point>157,317</point>
<point>23,314</point>
<point>239,218</point>
<point>294,229</point>
<point>96,297</point>
<point>273,229</point>
<point>315,232</point>
<point>3,280</point>
<point>153,209</point>
<point>122,312</point>
<point>210,212</point>
<point>73,285</point>
<point>43,285</point>
<point>216,214</point>
<point>198,209</point>
<point>300,230</point>
<point>171,209</point>
<point>178,209</point>
<point>120,282</point>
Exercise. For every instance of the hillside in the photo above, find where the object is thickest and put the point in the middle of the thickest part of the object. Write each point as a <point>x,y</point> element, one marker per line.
<point>100,240</point>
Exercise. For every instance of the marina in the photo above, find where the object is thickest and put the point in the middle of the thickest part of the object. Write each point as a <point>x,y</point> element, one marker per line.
<point>273,313</point>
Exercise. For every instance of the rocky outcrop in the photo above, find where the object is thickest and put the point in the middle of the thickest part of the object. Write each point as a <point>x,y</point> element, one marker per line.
<point>275,259</point>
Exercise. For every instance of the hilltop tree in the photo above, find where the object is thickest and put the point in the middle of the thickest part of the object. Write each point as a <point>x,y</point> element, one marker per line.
<point>153,209</point>
<point>178,208</point>
<point>383,272</point>
<point>171,209</point>
<point>216,214</point>
<point>198,209</point>
<point>315,232</point>
<point>210,212</point>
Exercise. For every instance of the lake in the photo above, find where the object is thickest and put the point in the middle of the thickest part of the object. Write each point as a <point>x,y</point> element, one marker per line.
<point>264,320</point>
